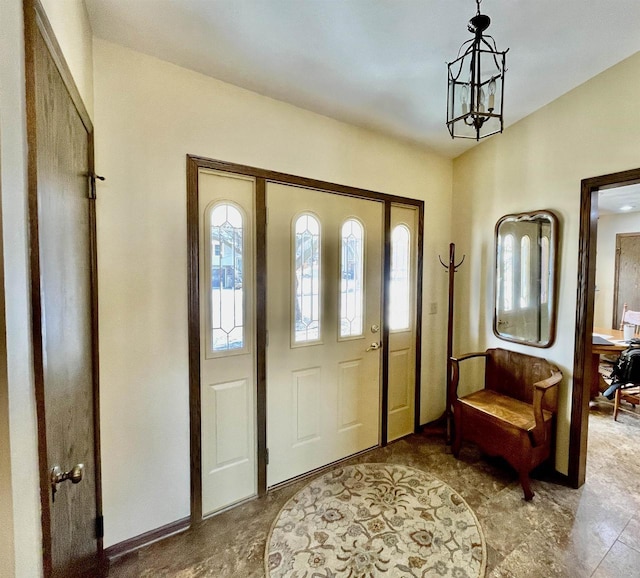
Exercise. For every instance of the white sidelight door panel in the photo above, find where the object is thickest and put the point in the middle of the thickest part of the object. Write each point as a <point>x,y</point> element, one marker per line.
<point>324,263</point>
<point>227,343</point>
<point>402,322</point>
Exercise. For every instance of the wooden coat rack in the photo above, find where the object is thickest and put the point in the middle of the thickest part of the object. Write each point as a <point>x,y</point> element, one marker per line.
<point>452,267</point>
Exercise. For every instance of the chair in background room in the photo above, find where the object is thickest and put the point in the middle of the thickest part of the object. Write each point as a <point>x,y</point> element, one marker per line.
<point>630,394</point>
<point>630,318</point>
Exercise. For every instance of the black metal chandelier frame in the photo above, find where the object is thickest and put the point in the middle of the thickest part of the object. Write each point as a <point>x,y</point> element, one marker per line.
<point>479,101</point>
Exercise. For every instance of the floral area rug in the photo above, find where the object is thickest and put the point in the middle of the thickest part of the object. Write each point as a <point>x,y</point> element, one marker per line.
<point>373,520</point>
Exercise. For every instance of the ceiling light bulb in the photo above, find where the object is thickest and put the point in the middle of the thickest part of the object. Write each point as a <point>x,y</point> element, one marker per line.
<point>464,97</point>
<point>626,207</point>
<point>492,93</point>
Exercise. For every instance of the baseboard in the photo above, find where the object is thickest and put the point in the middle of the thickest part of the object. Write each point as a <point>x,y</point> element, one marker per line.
<point>436,427</point>
<point>547,472</point>
<point>121,548</point>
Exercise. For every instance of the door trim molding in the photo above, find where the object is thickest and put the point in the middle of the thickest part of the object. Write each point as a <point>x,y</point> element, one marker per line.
<point>37,22</point>
<point>417,426</point>
<point>261,330</point>
<point>587,244</point>
<point>386,277</point>
<point>304,182</point>
<point>262,176</point>
<point>193,278</point>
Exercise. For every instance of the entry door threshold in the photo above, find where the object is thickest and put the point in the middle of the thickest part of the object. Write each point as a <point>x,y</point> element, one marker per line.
<point>229,507</point>
<point>321,469</point>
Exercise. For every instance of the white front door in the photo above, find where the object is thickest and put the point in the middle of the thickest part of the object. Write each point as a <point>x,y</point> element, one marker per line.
<point>402,322</point>
<point>227,340</point>
<point>324,269</point>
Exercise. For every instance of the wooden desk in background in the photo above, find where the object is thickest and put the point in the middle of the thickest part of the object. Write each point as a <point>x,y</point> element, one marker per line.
<point>598,349</point>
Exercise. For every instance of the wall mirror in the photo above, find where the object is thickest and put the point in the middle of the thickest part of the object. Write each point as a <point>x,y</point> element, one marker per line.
<point>525,280</point>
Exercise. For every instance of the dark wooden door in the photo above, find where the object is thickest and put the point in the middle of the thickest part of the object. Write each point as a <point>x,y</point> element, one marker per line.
<point>627,275</point>
<point>64,327</point>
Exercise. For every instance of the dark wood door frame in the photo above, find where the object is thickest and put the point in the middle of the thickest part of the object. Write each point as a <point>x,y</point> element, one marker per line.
<point>584,316</point>
<point>262,177</point>
<point>36,22</point>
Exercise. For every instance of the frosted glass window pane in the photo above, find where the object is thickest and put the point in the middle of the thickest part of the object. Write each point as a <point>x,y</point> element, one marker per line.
<point>227,294</point>
<point>525,270</point>
<point>351,279</point>
<point>307,279</point>
<point>399,288</point>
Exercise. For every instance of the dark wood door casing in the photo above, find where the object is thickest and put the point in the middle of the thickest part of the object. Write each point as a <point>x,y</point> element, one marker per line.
<point>64,302</point>
<point>263,176</point>
<point>587,245</point>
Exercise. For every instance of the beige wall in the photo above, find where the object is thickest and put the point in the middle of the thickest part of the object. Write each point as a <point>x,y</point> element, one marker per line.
<point>149,114</point>
<point>608,227</point>
<point>539,163</point>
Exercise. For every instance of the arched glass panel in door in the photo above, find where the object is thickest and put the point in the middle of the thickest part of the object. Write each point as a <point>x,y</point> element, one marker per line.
<point>351,276</point>
<point>227,296</point>
<point>400,286</point>
<point>306,280</point>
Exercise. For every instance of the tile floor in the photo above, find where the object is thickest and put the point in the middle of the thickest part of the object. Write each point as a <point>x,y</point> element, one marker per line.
<point>593,531</point>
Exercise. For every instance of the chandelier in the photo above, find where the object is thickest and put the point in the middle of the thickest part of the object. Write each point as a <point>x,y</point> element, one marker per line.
<point>476,84</point>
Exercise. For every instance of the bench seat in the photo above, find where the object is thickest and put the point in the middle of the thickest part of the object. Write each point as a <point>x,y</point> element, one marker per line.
<point>513,415</point>
<point>511,411</point>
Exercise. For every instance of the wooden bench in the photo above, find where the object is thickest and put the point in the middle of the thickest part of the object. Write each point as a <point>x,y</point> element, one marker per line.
<point>514,415</point>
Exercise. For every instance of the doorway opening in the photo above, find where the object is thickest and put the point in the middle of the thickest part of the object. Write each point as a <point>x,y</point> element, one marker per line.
<point>627,255</point>
<point>584,372</point>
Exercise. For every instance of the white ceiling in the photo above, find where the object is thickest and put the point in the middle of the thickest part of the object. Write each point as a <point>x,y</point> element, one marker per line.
<point>617,200</point>
<point>377,63</point>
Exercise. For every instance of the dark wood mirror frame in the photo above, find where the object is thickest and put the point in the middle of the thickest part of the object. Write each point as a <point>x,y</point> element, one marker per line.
<point>540,321</point>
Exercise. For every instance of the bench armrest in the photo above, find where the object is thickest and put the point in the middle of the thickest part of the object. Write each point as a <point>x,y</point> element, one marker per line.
<point>469,356</point>
<point>455,371</point>
<point>539,432</point>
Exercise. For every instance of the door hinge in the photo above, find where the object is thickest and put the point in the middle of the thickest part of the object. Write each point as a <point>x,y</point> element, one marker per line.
<point>100,527</point>
<point>266,456</point>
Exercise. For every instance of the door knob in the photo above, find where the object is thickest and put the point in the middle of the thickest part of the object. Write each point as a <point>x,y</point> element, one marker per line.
<point>58,476</point>
<point>375,345</point>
